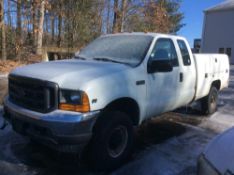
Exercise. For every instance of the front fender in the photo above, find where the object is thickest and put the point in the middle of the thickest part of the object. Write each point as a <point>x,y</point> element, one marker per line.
<point>104,90</point>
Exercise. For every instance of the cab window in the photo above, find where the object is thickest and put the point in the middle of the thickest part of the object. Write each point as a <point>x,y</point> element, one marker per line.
<point>164,49</point>
<point>184,52</point>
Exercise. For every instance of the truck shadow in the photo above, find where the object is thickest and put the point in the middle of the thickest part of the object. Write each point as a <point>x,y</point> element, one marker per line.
<point>166,126</point>
<point>46,161</point>
<point>156,131</point>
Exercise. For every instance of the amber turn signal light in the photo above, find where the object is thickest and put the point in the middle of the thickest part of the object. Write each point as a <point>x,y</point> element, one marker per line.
<point>83,107</point>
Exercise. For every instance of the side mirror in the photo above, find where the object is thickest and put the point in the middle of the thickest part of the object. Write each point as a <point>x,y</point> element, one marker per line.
<point>159,66</point>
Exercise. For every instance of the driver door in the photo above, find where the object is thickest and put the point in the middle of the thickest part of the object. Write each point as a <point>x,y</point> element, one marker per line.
<point>163,85</point>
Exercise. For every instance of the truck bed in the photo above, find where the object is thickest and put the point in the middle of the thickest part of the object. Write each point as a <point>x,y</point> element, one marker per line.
<point>210,68</point>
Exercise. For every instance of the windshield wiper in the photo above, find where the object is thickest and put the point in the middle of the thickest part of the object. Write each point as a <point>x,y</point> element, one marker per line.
<point>80,58</point>
<point>108,60</point>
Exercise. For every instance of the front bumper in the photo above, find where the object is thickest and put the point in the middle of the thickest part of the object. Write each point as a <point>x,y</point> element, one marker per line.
<point>61,130</point>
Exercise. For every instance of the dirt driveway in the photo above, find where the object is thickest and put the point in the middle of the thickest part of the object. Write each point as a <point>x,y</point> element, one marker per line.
<point>167,145</point>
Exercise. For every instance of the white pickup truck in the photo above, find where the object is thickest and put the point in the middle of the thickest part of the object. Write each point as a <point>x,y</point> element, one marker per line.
<point>116,82</point>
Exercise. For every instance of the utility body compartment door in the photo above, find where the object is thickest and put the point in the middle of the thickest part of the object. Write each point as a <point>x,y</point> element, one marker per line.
<point>210,68</point>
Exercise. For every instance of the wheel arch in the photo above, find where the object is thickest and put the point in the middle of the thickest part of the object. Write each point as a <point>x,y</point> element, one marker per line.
<point>217,84</point>
<point>127,105</point>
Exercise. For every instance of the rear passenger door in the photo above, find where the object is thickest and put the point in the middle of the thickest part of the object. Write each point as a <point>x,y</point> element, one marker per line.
<point>187,73</point>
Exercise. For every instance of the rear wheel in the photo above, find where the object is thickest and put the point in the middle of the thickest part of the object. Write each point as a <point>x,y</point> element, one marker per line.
<point>209,103</point>
<point>112,141</point>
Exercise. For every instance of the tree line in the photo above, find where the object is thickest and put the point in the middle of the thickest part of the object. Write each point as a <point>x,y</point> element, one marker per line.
<point>28,25</point>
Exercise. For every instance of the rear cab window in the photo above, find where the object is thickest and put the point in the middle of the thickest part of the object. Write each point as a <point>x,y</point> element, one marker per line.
<point>184,52</point>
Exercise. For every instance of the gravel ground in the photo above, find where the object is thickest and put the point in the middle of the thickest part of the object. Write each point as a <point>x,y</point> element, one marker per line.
<point>166,145</point>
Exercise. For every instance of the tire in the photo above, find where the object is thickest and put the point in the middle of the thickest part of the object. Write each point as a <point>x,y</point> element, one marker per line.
<point>209,103</point>
<point>112,141</point>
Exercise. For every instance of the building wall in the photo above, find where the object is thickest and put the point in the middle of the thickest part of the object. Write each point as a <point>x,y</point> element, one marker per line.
<point>218,32</point>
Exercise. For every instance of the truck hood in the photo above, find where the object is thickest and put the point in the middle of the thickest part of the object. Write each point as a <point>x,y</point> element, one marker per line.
<point>69,73</point>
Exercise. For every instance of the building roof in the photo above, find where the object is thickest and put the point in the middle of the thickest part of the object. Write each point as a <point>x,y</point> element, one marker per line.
<point>226,5</point>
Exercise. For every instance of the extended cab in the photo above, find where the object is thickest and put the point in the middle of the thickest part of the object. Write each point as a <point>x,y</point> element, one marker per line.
<point>116,82</point>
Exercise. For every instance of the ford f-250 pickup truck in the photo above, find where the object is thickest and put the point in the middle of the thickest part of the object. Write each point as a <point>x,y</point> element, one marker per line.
<point>115,83</point>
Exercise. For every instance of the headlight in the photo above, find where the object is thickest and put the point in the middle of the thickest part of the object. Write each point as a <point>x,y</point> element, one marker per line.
<point>205,168</point>
<point>70,100</point>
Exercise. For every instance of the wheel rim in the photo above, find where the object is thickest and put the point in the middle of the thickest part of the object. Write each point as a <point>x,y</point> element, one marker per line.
<point>117,141</point>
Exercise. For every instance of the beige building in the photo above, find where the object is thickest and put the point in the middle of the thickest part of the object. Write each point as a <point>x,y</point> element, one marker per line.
<point>218,30</point>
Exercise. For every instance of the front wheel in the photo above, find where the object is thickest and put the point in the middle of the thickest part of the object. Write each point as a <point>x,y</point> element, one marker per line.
<point>112,141</point>
<point>209,103</point>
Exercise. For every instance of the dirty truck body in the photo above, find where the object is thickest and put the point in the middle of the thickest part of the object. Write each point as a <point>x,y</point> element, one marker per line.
<point>116,82</point>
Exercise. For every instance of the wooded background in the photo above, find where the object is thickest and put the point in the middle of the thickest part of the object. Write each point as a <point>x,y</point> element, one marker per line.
<point>27,25</point>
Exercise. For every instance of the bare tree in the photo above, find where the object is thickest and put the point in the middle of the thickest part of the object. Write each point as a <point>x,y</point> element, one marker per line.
<point>108,16</point>
<point>40,27</point>
<point>18,28</point>
<point>52,28</point>
<point>119,15</point>
<point>34,23</point>
<point>19,25</point>
<point>60,24</point>
<point>116,16</point>
<point>74,23</point>
<point>9,13</point>
<point>101,8</point>
<point>2,25</point>
<point>123,14</point>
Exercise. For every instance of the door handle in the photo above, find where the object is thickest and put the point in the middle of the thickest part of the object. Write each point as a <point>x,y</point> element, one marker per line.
<point>181,77</point>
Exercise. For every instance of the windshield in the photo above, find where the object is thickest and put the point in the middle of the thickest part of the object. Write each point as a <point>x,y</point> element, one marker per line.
<point>126,49</point>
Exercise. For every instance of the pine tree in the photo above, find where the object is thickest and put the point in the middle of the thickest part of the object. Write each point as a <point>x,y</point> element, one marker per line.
<point>2,27</point>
